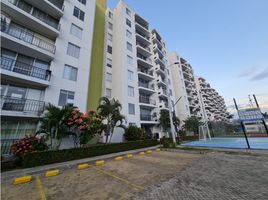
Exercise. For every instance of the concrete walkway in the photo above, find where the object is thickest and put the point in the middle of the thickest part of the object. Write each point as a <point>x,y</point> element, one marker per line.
<point>6,176</point>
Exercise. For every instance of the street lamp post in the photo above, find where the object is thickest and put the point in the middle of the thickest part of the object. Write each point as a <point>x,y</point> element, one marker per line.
<point>170,106</point>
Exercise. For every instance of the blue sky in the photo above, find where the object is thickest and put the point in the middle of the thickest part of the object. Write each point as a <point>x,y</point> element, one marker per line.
<point>226,41</point>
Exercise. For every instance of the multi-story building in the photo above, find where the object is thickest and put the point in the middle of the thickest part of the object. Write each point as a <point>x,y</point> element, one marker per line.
<point>45,58</point>
<point>212,104</point>
<point>135,70</point>
<point>185,88</point>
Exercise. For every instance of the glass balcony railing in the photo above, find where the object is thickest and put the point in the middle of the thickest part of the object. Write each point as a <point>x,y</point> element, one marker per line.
<point>27,36</point>
<point>144,117</point>
<point>25,69</point>
<point>147,100</point>
<point>22,105</point>
<point>57,3</point>
<point>146,85</point>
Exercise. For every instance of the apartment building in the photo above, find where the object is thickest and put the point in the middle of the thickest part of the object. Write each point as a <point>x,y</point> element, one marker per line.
<point>185,88</point>
<point>136,69</point>
<point>45,58</point>
<point>212,104</point>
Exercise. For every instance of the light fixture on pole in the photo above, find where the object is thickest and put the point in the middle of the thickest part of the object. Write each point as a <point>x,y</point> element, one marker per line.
<point>170,106</point>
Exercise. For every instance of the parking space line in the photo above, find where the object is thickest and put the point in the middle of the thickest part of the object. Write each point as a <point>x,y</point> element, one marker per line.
<point>137,187</point>
<point>40,188</point>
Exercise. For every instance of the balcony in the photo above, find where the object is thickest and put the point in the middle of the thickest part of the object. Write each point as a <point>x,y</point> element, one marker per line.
<point>54,8</point>
<point>145,74</point>
<point>146,101</point>
<point>162,93</point>
<point>160,70</point>
<point>156,41</point>
<point>37,20</point>
<point>26,42</point>
<point>163,105</point>
<point>148,119</point>
<point>21,107</point>
<point>157,50</point>
<point>146,87</point>
<point>143,50</point>
<point>160,81</point>
<point>144,61</point>
<point>142,38</point>
<point>24,73</point>
<point>159,60</point>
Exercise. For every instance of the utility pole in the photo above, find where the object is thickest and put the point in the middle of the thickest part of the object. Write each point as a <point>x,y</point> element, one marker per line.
<point>242,124</point>
<point>263,121</point>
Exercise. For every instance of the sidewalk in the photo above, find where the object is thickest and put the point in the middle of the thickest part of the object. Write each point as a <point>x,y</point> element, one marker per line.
<point>5,176</point>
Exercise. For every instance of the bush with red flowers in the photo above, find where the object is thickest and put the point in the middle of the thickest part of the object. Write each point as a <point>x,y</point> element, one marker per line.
<point>88,124</point>
<point>28,144</point>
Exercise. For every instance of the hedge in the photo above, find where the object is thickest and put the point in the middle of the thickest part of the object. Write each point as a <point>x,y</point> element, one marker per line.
<point>55,156</point>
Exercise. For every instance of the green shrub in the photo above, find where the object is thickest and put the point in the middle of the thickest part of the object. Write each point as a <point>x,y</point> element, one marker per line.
<point>133,133</point>
<point>189,137</point>
<point>55,156</point>
<point>168,142</point>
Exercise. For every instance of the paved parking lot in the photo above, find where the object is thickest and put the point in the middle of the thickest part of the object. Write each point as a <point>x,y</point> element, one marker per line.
<point>114,180</point>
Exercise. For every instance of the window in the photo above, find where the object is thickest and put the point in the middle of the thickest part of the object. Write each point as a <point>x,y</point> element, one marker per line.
<point>128,12</point>
<point>108,93</point>
<point>130,75</point>
<point>131,109</point>
<point>66,97</point>
<point>109,49</point>
<point>128,22</point>
<point>110,14</point>
<point>76,31</point>
<point>108,77</point>
<point>129,34</point>
<point>110,26</point>
<point>73,50</point>
<point>70,73</point>
<point>129,46</point>
<point>79,13</point>
<point>110,37</point>
<point>130,91</point>
<point>129,60</point>
<point>109,62</point>
<point>83,1</point>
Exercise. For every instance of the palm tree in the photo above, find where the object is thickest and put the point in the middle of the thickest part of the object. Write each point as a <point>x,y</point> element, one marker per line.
<point>53,123</point>
<point>110,111</point>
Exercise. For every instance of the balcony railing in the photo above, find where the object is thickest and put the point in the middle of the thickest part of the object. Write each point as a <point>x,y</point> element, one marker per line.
<point>6,145</point>
<point>150,73</point>
<point>147,100</point>
<point>28,37</point>
<point>23,68</point>
<point>57,4</point>
<point>142,35</point>
<point>146,117</point>
<point>146,85</point>
<point>22,105</point>
<point>38,14</point>
<point>145,59</point>
<point>143,46</point>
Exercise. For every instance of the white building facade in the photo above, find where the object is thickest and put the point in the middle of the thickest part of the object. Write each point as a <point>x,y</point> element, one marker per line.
<point>45,58</point>
<point>136,69</point>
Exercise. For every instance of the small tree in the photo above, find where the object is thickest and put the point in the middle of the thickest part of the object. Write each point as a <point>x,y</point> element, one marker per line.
<point>192,124</point>
<point>53,124</point>
<point>164,120</point>
<point>110,112</point>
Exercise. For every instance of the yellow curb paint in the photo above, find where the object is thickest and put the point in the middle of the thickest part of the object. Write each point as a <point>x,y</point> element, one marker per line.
<point>83,166</point>
<point>158,150</point>
<point>142,153</point>
<point>52,173</point>
<point>149,152</point>
<point>119,158</point>
<point>137,187</point>
<point>100,162</point>
<point>129,156</point>
<point>23,179</point>
<point>40,189</point>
